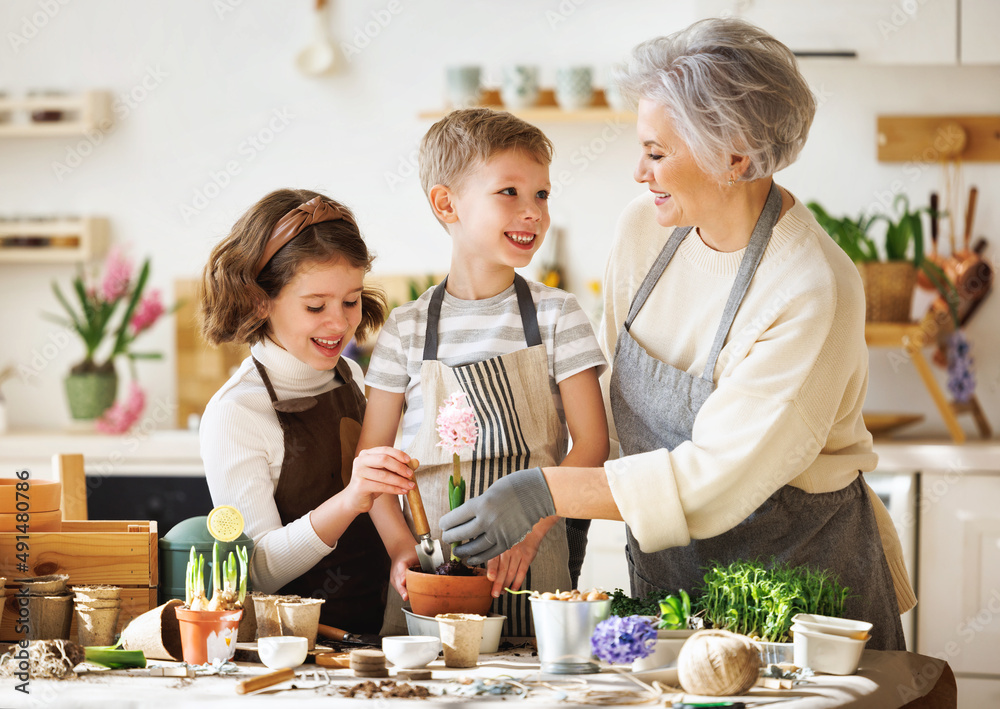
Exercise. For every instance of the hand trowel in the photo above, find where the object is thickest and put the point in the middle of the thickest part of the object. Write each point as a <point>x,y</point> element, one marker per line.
<point>428,550</point>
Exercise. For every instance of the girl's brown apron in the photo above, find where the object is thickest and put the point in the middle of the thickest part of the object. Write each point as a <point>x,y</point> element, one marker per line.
<point>321,434</point>
<point>518,428</point>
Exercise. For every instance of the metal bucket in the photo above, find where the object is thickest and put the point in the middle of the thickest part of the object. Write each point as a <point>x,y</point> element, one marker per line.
<point>563,630</point>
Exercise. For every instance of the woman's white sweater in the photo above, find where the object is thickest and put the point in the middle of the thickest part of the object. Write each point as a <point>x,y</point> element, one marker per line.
<point>790,381</point>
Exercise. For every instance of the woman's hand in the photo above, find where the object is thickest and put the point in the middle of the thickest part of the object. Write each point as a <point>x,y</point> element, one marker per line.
<point>378,471</point>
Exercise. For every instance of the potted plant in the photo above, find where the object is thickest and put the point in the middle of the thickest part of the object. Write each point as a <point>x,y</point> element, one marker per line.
<point>455,588</point>
<point>888,281</point>
<point>749,598</point>
<point>114,307</point>
<point>209,627</point>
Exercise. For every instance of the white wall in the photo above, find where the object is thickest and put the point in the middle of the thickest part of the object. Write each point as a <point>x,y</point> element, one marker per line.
<point>207,77</point>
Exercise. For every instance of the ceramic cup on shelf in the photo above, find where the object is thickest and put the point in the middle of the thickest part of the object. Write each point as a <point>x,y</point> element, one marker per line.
<point>519,86</point>
<point>574,87</point>
<point>462,84</point>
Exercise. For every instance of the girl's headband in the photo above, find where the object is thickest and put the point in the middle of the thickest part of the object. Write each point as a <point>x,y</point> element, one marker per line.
<point>294,223</point>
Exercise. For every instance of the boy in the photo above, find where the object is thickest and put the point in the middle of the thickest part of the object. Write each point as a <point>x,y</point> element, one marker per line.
<point>524,354</point>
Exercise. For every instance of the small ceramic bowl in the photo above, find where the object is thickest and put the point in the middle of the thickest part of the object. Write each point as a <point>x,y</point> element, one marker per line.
<point>668,647</point>
<point>282,652</point>
<point>845,627</point>
<point>425,625</point>
<point>411,651</point>
<point>831,654</point>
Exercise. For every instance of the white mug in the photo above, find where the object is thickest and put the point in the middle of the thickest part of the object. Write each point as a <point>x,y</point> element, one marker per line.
<point>519,87</point>
<point>574,87</point>
<point>463,86</point>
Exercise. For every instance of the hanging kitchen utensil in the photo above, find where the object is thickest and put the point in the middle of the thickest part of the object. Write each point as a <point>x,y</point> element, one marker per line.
<point>922,279</point>
<point>968,279</point>
<point>320,56</point>
<point>428,550</point>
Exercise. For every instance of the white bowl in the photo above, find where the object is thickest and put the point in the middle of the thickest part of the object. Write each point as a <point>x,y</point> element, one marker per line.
<point>411,651</point>
<point>282,652</point>
<point>821,652</point>
<point>426,625</point>
<point>844,627</point>
<point>668,647</point>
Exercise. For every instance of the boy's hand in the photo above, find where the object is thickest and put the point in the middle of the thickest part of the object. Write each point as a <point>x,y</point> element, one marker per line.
<point>397,572</point>
<point>510,568</point>
<point>499,518</point>
<point>378,471</point>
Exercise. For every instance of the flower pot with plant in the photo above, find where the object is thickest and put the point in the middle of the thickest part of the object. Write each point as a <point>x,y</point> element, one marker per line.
<point>209,627</point>
<point>749,598</point>
<point>112,308</point>
<point>888,282</point>
<point>455,587</point>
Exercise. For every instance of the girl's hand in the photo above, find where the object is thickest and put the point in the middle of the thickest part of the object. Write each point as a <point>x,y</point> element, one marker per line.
<point>378,471</point>
<point>510,568</point>
<point>397,572</point>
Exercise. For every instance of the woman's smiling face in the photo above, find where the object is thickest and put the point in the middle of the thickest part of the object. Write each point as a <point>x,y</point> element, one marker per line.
<point>683,192</point>
<point>317,312</point>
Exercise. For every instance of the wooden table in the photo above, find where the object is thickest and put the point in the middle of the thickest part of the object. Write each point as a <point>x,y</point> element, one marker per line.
<point>886,680</point>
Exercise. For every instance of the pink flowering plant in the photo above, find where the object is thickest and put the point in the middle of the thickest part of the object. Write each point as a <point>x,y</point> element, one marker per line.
<point>113,308</point>
<point>458,430</point>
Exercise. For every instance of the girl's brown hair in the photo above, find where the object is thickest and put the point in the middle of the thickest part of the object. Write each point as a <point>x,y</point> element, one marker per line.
<point>234,297</point>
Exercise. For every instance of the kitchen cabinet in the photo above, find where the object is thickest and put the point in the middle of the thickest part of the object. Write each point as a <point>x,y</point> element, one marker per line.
<point>980,20</point>
<point>879,31</point>
<point>959,577</point>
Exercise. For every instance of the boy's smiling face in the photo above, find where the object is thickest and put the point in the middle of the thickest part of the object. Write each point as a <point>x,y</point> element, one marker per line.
<point>500,213</point>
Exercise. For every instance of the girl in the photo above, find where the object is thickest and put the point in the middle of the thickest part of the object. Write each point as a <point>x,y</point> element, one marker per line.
<point>281,434</point>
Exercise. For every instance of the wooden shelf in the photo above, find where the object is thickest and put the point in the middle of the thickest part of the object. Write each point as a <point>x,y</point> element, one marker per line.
<point>87,239</point>
<point>88,111</point>
<point>548,111</point>
<point>911,337</point>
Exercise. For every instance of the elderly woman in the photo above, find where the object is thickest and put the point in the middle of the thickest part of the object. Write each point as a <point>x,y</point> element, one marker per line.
<point>736,330</point>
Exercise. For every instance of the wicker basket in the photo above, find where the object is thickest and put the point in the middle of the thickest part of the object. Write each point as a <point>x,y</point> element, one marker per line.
<point>888,290</point>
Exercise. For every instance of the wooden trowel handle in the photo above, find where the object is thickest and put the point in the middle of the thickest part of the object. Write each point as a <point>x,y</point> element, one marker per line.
<point>970,215</point>
<point>262,681</point>
<point>417,511</point>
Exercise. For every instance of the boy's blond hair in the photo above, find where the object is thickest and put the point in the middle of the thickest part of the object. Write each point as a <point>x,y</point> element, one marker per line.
<point>465,139</point>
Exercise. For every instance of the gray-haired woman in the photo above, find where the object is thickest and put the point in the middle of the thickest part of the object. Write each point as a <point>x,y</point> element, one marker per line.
<point>736,330</point>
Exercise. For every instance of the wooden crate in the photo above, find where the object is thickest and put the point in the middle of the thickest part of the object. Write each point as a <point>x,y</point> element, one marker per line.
<point>120,553</point>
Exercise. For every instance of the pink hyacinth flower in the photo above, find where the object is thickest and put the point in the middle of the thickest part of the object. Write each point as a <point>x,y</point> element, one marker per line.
<point>147,312</point>
<point>123,414</point>
<point>117,276</point>
<point>456,424</point>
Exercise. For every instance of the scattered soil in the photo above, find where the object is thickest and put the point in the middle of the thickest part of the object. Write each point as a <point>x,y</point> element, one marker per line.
<point>386,688</point>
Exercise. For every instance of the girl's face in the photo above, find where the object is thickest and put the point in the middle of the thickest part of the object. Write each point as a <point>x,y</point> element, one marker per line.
<point>316,314</point>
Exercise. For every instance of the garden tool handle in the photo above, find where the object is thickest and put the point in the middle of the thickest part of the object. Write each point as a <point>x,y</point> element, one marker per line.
<point>263,681</point>
<point>934,223</point>
<point>420,525</point>
<point>970,215</point>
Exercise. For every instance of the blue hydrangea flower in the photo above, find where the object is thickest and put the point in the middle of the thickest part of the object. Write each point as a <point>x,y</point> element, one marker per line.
<point>961,378</point>
<point>623,639</point>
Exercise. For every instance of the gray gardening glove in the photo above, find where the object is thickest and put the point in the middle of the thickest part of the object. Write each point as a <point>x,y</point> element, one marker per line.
<point>499,518</point>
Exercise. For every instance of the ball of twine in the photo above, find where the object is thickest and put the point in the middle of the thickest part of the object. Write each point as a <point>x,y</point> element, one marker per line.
<point>718,663</point>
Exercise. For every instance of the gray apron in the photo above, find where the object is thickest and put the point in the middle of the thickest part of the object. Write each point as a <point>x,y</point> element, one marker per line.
<point>519,428</point>
<point>654,406</point>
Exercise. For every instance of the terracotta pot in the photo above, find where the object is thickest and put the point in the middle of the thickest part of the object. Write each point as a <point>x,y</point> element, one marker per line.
<point>50,521</point>
<point>207,636</point>
<point>431,594</point>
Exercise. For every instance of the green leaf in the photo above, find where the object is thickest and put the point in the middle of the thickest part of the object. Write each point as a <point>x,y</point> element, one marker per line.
<point>122,337</point>
<point>456,495</point>
<point>109,656</point>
